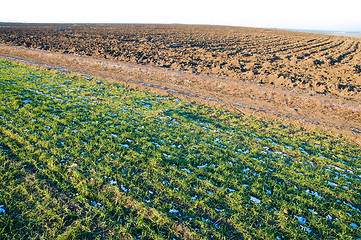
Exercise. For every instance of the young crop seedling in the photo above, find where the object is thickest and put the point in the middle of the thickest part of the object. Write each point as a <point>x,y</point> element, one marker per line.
<point>83,158</point>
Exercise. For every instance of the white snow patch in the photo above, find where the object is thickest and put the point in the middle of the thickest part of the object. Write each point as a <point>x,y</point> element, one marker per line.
<point>332,184</point>
<point>173,211</point>
<point>203,166</point>
<point>219,210</point>
<point>312,211</point>
<point>231,190</point>
<point>306,229</point>
<point>301,219</point>
<point>187,170</point>
<point>256,200</point>
<point>2,209</point>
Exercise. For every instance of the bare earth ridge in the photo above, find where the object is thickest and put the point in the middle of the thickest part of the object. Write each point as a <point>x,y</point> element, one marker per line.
<point>264,89</point>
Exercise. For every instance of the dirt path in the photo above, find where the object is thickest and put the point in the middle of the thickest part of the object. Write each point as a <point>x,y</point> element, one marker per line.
<point>311,110</point>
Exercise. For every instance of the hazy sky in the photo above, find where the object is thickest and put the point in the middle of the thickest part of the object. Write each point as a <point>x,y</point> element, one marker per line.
<point>341,15</point>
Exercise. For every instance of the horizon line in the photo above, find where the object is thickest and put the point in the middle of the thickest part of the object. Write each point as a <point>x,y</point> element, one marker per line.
<point>195,24</point>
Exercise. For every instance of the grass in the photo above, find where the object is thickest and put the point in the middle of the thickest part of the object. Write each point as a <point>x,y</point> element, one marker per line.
<point>81,158</point>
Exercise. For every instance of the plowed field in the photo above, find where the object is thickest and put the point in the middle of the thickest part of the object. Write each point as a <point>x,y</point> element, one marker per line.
<point>316,63</point>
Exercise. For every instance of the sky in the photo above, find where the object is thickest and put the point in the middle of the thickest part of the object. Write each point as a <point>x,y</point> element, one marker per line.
<point>329,15</point>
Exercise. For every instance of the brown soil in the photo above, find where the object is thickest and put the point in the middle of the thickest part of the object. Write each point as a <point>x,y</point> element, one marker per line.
<point>316,63</point>
<point>230,63</point>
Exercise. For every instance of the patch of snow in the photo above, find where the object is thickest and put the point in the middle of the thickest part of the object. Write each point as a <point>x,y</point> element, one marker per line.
<point>332,184</point>
<point>312,211</point>
<point>173,211</point>
<point>347,204</point>
<point>95,204</point>
<point>2,209</point>
<point>203,166</point>
<point>354,225</point>
<point>301,219</point>
<point>231,190</point>
<point>256,200</point>
<point>219,210</point>
<point>306,229</point>
<point>124,189</point>
<point>316,194</point>
<point>185,169</point>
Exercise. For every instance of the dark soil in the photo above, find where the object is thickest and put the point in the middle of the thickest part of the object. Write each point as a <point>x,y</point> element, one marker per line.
<point>312,62</point>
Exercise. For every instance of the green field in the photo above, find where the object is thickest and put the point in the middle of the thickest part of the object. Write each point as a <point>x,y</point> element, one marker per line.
<point>81,158</point>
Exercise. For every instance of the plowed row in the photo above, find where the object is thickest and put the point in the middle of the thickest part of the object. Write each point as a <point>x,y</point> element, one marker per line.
<point>318,63</point>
